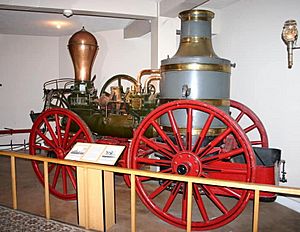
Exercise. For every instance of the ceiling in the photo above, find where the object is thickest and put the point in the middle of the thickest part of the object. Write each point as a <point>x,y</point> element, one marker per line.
<point>53,24</point>
<point>32,22</point>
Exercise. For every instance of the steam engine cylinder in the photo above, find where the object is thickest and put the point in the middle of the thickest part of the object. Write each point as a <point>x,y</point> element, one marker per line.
<point>195,71</point>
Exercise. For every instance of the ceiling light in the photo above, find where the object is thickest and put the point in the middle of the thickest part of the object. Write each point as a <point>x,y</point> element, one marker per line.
<point>68,13</point>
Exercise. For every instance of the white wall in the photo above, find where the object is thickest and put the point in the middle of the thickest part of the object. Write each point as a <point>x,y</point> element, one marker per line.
<point>26,62</point>
<point>251,37</point>
<point>115,55</point>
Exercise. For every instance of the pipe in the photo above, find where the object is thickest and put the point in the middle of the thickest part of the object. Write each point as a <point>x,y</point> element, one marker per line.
<point>150,79</point>
<point>143,73</point>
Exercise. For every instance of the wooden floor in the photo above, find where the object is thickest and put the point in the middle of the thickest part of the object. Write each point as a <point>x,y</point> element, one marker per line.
<point>273,216</point>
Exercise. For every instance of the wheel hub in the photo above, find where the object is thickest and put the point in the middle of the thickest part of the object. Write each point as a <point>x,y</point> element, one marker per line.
<point>60,152</point>
<point>186,164</point>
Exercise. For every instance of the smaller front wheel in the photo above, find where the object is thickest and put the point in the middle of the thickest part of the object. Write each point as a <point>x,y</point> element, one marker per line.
<point>53,134</point>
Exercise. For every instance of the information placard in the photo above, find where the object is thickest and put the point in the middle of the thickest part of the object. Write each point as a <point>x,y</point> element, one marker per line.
<point>95,153</point>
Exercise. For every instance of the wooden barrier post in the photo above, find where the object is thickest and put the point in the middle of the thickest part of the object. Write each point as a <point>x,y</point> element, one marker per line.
<point>256,211</point>
<point>133,203</point>
<point>13,182</point>
<point>96,203</point>
<point>46,185</point>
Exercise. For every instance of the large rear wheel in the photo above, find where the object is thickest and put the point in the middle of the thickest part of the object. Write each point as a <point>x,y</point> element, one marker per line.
<point>192,151</point>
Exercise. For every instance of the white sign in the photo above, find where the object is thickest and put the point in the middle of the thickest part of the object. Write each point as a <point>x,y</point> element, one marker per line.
<point>95,153</point>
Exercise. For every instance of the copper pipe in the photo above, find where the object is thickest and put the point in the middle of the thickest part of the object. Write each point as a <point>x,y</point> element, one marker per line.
<point>143,73</point>
<point>150,79</point>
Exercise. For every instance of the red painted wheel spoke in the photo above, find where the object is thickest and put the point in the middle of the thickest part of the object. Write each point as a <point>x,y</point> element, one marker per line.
<point>157,147</point>
<point>250,128</point>
<point>175,129</point>
<point>58,130</point>
<point>165,138</point>
<point>50,129</point>
<point>226,168</point>
<point>189,129</point>
<point>222,156</point>
<point>71,176</point>
<point>239,117</point>
<point>154,162</point>
<point>232,192</point>
<point>214,199</point>
<point>46,140</point>
<point>64,180</point>
<point>256,142</point>
<point>51,167</point>
<point>200,203</point>
<point>56,175</point>
<point>214,143</point>
<point>74,139</point>
<point>161,188</point>
<point>67,132</point>
<point>203,133</point>
<point>172,197</point>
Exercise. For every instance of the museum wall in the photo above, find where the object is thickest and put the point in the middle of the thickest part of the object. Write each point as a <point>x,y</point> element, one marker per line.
<point>115,55</point>
<point>26,62</point>
<point>251,37</point>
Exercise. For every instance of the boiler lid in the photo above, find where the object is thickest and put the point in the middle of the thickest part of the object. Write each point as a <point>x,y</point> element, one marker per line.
<point>83,37</point>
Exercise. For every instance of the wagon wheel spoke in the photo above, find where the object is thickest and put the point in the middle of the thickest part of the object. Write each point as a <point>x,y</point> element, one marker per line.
<point>214,143</point>
<point>164,137</point>
<point>58,130</point>
<point>172,197</point>
<point>71,175</point>
<point>45,139</point>
<point>203,133</point>
<point>222,156</point>
<point>189,129</point>
<point>74,139</point>
<point>56,176</point>
<point>67,132</point>
<point>157,147</point>
<point>214,199</point>
<point>154,162</point>
<point>50,130</point>
<point>175,130</point>
<point>200,203</point>
<point>160,189</point>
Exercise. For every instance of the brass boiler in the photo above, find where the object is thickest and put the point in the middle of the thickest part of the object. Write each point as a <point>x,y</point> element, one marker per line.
<point>195,71</point>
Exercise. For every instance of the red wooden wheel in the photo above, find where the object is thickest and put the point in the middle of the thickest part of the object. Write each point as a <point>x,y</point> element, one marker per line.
<point>250,123</point>
<point>186,152</point>
<point>53,134</point>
